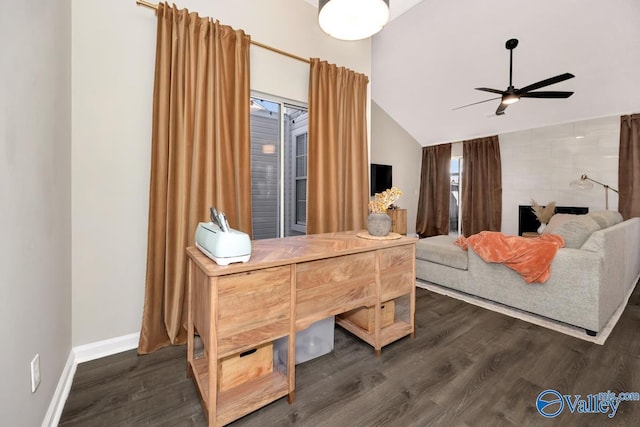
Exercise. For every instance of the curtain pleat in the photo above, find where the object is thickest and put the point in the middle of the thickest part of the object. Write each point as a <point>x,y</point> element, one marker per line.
<point>200,156</point>
<point>481,186</point>
<point>629,166</point>
<point>435,191</point>
<point>337,194</point>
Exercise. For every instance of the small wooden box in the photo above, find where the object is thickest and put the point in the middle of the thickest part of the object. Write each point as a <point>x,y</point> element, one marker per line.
<point>530,234</point>
<point>398,220</point>
<point>364,317</point>
<point>242,367</point>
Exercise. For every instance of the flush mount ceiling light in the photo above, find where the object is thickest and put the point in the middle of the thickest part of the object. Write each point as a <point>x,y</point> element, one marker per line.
<point>352,19</point>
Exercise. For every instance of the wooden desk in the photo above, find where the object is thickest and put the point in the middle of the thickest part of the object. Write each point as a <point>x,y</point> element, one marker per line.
<point>287,285</point>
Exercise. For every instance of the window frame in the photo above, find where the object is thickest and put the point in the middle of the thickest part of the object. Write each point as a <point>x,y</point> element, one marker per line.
<point>459,161</point>
<point>295,225</point>
<point>282,206</point>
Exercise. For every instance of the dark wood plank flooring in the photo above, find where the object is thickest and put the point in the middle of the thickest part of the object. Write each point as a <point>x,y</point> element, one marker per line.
<point>467,366</point>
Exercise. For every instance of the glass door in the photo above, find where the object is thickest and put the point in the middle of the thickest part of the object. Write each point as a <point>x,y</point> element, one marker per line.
<point>279,131</point>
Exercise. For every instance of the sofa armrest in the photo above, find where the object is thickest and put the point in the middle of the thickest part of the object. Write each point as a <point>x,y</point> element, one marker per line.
<point>575,265</point>
<point>571,294</point>
<point>620,247</point>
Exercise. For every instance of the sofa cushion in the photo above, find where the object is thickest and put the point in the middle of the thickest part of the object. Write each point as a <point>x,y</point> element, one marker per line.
<point>441,250</point>
<point>575,231</point>
<point>606,219</point>
<point>556,221</point>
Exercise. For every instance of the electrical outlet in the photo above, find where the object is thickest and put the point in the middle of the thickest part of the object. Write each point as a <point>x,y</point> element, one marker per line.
<point>35,373</point>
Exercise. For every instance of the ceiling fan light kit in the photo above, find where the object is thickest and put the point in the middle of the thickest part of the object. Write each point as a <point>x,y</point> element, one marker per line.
<point>352,19</point>
<point>510,99</point>
<point>512,94</point>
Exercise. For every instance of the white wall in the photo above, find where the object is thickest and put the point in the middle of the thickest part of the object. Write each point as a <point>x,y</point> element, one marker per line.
<point>35,193</point>
<point>392,145</point>
<point>113,51</point>
<point>540,163</point>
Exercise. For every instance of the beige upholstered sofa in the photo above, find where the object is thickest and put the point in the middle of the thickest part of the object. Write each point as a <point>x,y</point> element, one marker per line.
<point>590,278</point>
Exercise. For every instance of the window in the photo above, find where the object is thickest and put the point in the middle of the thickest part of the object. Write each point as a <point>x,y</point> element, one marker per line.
<point>278,167</point>
<point>300,174</point>
<point>455,210</point>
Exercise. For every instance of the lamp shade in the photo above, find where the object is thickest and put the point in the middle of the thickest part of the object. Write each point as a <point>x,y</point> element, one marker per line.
<point>352,19</point>
<point>584,183</point>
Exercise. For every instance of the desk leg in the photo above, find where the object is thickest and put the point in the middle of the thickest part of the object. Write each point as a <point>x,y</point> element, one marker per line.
<point>190,328</point>
<point>291,351</point>
<point>211,350</point>
<point>377,311</point>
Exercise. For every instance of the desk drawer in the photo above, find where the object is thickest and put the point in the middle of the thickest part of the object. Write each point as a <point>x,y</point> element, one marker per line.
<point>242,367</point>
<point>334,285</point>
<point>254,300</point>
<point>397,275</point>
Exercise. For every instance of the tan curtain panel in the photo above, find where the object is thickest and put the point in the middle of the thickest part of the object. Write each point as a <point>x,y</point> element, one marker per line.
<point>629,166</point>
<point>435,191</point>
<point>200,156</point>
<point>338,177</point>
<point>481,186</point>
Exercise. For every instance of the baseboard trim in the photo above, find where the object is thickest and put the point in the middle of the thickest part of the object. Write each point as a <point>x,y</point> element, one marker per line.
<point>99,349</point>
<point>80,354</point>
<point>52,417</point>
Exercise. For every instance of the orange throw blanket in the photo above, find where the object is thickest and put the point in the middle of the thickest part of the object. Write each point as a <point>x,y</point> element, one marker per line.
<point>530,257</point>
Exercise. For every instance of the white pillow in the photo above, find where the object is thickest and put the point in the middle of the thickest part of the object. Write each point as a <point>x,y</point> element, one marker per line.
<point>576,231</point>
<point>606,218</point>
<point>556,221</point>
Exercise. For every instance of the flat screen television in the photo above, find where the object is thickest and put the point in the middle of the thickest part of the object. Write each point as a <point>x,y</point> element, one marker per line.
<point>381,178</point>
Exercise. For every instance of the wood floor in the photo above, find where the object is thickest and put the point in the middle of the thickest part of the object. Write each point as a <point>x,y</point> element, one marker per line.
<point>467,366</point>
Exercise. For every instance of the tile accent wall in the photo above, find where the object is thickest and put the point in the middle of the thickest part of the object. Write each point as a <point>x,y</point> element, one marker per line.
<point>540,163</point>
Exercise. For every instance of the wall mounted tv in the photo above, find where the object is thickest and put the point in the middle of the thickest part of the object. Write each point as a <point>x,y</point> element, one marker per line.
<point>381,178</point>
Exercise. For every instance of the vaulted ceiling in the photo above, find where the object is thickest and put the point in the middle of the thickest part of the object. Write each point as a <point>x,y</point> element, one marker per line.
<point>429,59</point>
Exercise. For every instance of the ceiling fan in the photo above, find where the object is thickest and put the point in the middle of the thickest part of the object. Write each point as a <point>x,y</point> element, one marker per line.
<point>513,94</point>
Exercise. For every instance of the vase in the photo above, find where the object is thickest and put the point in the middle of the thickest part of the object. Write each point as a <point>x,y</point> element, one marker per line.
<point>378,224</point>
<point>542,227</point>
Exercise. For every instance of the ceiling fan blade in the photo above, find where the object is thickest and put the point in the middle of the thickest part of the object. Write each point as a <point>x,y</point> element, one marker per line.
<point>486,89</point>
<point>501,108</point>
<point>547,94</point>
<point>546,82</point>
<point>480,102</point>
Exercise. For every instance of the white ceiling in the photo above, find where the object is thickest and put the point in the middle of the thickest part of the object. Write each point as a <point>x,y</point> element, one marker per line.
<point>428,60</point>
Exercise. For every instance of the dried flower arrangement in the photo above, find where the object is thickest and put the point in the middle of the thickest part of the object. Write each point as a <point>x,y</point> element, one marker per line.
<point>543,214</point>
<point>383,200</point>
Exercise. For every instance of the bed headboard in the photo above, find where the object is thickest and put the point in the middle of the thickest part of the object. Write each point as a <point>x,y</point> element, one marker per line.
<point>527,220</point>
